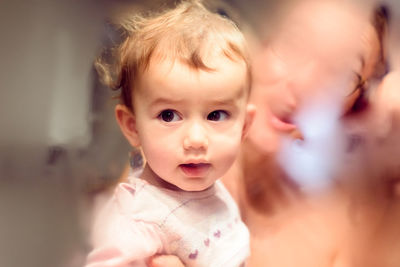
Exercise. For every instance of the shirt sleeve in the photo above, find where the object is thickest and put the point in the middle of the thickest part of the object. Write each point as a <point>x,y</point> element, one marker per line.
<point>121,241</point>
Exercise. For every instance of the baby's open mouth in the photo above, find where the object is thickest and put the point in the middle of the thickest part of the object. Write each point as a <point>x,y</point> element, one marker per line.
<point>195,169</point>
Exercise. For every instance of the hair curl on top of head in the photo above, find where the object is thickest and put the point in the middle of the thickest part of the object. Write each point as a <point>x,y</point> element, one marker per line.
<point>188,33</point>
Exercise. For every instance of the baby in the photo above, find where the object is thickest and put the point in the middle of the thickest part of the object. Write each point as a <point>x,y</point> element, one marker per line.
<point>184,80</point>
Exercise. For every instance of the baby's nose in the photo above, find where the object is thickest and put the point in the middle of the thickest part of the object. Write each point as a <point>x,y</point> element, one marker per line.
<point>196,137</point>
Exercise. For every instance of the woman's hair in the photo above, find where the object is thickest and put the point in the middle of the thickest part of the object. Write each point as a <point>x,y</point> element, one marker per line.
<point>380,21</point>
<point>188,33</point>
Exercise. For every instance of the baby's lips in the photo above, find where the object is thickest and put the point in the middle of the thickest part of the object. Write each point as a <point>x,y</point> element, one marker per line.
<point>195,169</point>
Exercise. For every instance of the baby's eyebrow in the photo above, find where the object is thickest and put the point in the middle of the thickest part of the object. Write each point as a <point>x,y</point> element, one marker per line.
<point>164,100</point>
<point>221,102</point>
<point>231,98</point>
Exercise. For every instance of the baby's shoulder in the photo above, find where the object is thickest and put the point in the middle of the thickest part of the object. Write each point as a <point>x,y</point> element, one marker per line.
<point>140,202</point>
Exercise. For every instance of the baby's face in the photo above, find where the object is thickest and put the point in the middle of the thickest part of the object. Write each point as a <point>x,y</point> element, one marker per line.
<point>190,122</point>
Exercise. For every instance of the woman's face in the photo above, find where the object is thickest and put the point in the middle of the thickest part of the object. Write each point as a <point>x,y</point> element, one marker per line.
<point>310,60</point>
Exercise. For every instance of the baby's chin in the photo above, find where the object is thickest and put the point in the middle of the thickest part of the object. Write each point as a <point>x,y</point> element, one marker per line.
<point>198,187</point>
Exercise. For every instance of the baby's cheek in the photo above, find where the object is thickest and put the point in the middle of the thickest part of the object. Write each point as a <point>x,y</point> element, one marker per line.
<point>225,151</point>
<point>157,151</point>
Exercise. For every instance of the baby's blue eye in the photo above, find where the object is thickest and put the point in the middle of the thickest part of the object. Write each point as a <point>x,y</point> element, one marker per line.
<point>217,115</point>
<point>169,115</point>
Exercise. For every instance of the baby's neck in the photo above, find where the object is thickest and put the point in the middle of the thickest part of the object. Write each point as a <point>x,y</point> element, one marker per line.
<point>152,178</point>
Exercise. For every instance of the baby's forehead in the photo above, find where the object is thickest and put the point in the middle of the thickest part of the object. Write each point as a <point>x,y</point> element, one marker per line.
<point>172,73</point>
<point>164,63</point>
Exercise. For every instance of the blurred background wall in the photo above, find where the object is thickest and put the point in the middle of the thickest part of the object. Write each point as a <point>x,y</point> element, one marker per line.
<point>58,140</point>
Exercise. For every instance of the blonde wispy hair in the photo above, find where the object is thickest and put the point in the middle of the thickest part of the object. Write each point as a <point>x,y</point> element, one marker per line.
<point>189,33</point>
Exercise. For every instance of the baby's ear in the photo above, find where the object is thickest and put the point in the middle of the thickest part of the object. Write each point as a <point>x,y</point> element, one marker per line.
<point>127,122</point>
<point>250,113</point>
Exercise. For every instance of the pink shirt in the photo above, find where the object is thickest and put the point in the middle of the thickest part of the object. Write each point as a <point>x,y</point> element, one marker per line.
<point>201,228</point>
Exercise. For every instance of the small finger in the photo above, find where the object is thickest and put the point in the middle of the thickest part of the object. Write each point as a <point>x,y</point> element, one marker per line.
<point>165,261</point>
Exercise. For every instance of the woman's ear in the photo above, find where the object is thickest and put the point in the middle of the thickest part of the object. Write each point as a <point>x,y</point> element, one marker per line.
<point>250,113</point>
<point>127,122</point>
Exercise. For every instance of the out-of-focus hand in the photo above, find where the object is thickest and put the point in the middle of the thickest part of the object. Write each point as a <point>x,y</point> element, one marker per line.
<point>165,261</point>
